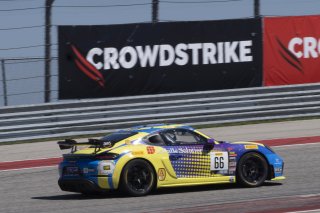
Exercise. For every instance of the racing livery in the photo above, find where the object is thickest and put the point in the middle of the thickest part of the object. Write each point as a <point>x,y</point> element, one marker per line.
<point>143,158</point>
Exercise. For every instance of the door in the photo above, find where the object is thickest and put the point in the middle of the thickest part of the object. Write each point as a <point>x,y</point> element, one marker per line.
<point>188,154</point>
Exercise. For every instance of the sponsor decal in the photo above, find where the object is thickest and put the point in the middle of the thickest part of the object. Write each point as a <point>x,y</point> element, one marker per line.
<point>185,150</point>
<point>87,170</point>
<point>232,163</point>
<point>137,59</point>
<point>278,170</point>
<point>305,47</point>
<point>251,147</point>
<point>151,150</point>
<point>289,56</point>
<point>219,154</point>
<point>232,169</point>
<point>232,158</point>
<point>166,55</point>
<point>106,168</point>
<point>138,153</point>
<point>229,149</point>
<point>162,174</point>
<point>291,53</point>
<point>71,171</point>
<point>232,179</point>
<point>107,144</point>
<point>87,68</point>
<point>232,154</point>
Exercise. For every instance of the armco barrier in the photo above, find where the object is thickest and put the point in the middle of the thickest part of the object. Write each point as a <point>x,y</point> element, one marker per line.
<point>86,117</point>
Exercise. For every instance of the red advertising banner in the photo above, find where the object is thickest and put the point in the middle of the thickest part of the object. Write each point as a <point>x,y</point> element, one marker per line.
<point>291,50</point>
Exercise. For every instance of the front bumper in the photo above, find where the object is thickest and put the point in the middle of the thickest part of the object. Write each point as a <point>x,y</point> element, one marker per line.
<point>79,185</point>
<point>278,178</point>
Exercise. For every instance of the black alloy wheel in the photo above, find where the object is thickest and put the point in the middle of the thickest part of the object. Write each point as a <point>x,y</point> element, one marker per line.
<point>137,178</point>
<point>252,170</point>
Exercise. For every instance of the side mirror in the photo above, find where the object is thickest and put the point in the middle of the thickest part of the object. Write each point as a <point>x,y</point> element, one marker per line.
<point>209,145</point>
<point>210,141</point>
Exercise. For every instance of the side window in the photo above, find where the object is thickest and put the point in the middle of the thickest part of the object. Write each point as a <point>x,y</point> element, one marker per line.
<point>182,137</point>
<point>156,140</point>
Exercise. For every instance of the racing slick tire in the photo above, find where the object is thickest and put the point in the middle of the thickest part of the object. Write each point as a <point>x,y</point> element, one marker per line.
<point>252,170</point>
<point>137,178</point>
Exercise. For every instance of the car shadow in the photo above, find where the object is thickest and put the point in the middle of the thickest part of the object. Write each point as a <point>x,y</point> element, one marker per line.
<point>211,187</point>
<point>115,194</point>
<point>272,184</point>
<point>78,196</point>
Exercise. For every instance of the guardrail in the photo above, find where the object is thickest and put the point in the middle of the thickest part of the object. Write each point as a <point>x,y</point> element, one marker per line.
<point>88,117</point>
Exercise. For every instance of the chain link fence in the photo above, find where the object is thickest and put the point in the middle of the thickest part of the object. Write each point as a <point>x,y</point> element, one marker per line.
<point>22,81</point>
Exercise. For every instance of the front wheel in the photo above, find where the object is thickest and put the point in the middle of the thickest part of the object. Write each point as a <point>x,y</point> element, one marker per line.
<point>252,170</point>
<point>137,178</point>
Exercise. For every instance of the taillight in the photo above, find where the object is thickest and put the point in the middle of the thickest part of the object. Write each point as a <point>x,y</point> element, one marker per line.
<point>106,156</point>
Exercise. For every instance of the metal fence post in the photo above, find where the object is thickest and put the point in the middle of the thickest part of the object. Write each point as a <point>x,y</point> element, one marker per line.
<point>47,87</point>
<point>155,11</point>
<point>256,8</point>
<point>4,82</point>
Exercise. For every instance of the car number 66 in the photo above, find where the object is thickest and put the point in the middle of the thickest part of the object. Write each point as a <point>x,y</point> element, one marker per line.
<point>219,161</point>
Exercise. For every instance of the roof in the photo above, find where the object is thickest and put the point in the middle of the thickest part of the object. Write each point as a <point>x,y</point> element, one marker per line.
<point>150,128</point>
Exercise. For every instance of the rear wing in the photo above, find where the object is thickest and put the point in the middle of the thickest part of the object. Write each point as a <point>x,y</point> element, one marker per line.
<point>94,143</point>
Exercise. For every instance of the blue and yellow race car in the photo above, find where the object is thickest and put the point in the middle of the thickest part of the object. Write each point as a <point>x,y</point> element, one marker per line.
<point>143,158</point>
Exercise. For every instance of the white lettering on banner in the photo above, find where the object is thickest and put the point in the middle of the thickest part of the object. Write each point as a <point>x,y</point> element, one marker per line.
<point>220,50</point>
<point>166,50</point>
<point>167,55</point>
<point>90,57</point>
<point>306,47</point>
<point>148,55</point>
<point>244,54</point>
<point>195,52</point>
<point>183,57</point>
<point>128,51</point>
<point>209,50</point>
<point>110,58</point>
<point>231,53</point>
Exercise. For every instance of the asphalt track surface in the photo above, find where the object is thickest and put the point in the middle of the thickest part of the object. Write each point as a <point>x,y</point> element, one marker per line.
<point>36,190</point>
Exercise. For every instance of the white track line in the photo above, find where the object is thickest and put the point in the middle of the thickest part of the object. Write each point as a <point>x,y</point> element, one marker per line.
<point>302,144</point>
<point>307,211</point>
<point>39,167</point>
<point>30,159</point>
<point>310,195</point>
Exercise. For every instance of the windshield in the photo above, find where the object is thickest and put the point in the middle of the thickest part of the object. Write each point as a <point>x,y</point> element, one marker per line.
<point>118,136</point>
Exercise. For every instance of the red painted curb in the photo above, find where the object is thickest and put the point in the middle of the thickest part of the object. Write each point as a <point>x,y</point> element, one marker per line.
<point>54,161</point>
<point>29,163</point>
<point>290,141</point>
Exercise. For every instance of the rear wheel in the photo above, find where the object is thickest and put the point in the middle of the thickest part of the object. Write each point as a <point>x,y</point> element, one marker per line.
<point>137,178</point>
<point>252,170</point>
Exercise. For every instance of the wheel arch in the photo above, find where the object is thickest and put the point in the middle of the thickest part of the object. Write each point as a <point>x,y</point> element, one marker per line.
<point>147,161</point>
<point>270,167</point>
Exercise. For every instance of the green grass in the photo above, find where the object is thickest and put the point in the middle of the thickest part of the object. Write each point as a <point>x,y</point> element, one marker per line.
<point>196,126</point>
